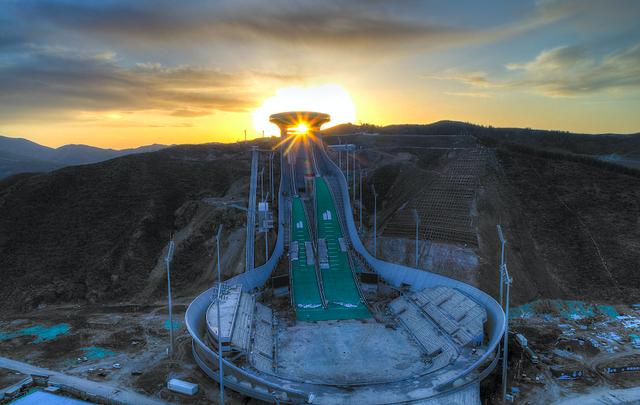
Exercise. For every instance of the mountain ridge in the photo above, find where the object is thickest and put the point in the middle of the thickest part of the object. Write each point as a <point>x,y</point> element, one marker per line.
<point>20,155</point>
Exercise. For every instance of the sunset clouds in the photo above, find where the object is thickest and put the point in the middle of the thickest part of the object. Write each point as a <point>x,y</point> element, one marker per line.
<point>207,65</point>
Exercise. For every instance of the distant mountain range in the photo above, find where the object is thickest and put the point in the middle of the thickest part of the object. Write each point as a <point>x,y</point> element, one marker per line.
<point>18,155</point>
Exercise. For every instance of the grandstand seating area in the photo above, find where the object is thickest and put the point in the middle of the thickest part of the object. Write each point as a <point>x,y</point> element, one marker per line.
<point>242,324</point>
<point>262,355</point>
<point>251,326</point>
<point>441,319</point>
<point>453,311</point>
<point>229,303</point>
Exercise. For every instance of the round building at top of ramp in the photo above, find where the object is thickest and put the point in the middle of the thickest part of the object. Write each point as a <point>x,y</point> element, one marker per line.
<point>292,119</point>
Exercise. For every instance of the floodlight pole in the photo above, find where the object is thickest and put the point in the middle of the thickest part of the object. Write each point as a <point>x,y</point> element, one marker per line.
<point>360,171</point>
<point>506,280</point>
<point>417,219</point>
<point>271,175</point>
<point>262,184</point>
<point>503,242</point>
<point>505,355</point>
<point>375,219</point>
<point>353,169</point>
<point>266,239</point>
<point>220,369</point>
<point>167,262</point>
<point>347,165</point>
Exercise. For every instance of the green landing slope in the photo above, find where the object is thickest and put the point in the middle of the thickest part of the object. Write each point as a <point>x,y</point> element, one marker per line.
<point>306,292</point>
<point>340,289</point>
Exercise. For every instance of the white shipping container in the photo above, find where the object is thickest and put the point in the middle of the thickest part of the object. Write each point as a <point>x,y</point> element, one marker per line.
<point>183,387</point>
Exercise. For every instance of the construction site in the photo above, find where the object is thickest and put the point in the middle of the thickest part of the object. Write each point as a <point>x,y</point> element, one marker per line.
<point>357,267</point>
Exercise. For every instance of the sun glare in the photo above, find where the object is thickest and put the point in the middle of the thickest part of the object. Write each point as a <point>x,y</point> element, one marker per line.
<point>301,129</point>
<point>331,99</point>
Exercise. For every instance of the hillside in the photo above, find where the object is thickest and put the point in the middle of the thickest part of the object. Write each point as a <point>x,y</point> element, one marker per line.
<point>618,148</point>
<point>94,233</point>
<point>570,218</point>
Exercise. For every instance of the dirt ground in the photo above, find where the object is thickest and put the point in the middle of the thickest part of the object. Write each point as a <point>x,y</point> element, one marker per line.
<point>576,349</point>
<point>124,345</point>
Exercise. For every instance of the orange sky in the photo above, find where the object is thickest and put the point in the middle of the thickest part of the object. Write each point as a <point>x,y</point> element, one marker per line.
<point>75,72</point>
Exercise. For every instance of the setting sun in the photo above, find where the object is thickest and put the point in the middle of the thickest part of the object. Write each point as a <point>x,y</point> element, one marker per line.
<point>331,99</point>
<point>301,129</point>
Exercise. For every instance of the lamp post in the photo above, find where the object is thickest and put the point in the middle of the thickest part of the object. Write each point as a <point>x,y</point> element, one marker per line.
<point>417,219</point>
<point>220,370</point>
<point>167,262</point>
<point>375,219</point>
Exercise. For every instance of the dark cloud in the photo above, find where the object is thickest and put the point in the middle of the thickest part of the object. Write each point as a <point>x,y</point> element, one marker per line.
<point>328,24</point>
<point>54,79</point>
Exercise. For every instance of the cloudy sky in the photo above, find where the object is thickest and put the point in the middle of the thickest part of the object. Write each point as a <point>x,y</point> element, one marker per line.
<point>122,73</point>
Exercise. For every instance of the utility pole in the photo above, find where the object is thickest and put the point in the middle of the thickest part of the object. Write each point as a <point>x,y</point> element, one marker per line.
<point>506,280</point>
<point>167,262</point>
<point>245,135</point>
<point>417,219</point>
<point>375,219</point>
<point>220,369</point>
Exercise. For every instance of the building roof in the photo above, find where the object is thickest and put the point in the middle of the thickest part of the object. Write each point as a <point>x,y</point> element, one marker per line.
<point>292,118</point>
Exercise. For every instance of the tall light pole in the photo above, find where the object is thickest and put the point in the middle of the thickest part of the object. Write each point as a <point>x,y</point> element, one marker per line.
<point>505,354</point>
<point>347,165</point>
<point>506,280</point>
<point>266,238</point>
<point>417,219</point>
<point>375,219</point>
<point>167,263</point>
<point>503,243</point>
<point>262,184</point>
<point>353,169</point>
<point>271,175</point>
<point>360,171</point>
<point>220,370</point>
